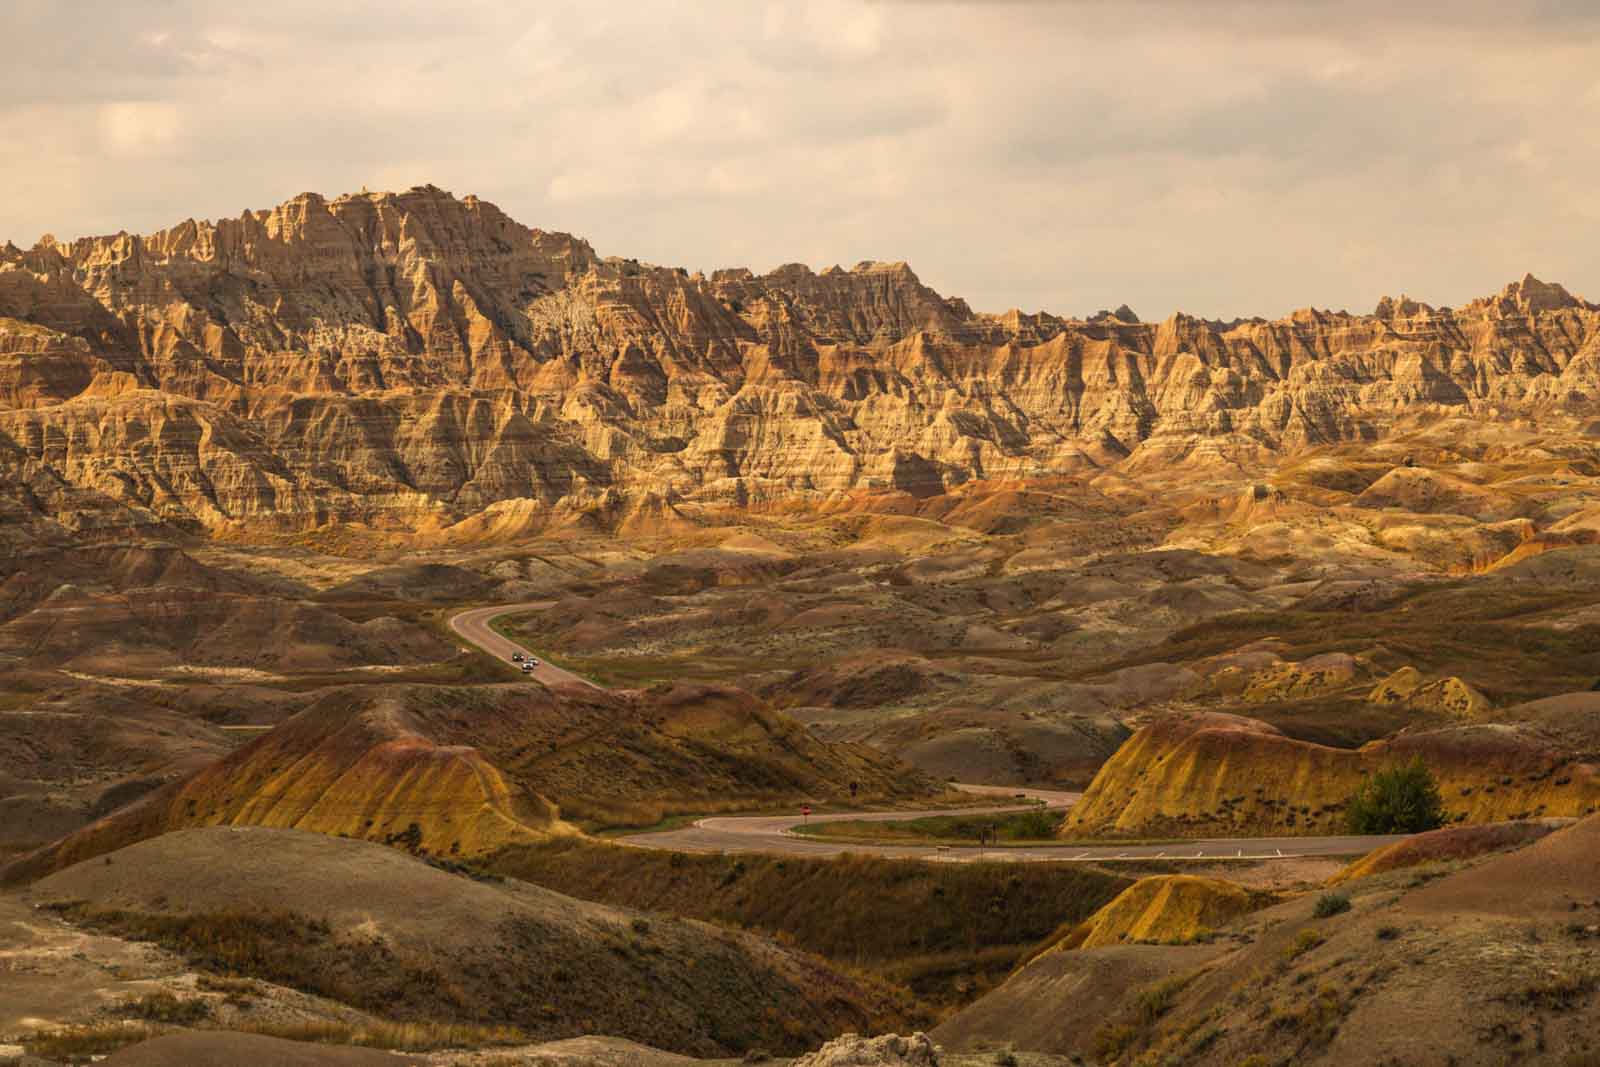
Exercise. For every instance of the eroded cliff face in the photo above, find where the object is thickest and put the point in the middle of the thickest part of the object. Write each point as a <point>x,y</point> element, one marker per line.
<point>421,362</point>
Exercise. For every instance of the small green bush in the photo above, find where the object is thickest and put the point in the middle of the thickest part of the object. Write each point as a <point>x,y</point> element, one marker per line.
<point>1032,826</point>
<point>1330,904</point>
<point>1397,800</point>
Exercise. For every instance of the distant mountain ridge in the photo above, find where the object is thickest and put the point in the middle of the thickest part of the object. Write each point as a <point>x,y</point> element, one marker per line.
<point>425,363</point>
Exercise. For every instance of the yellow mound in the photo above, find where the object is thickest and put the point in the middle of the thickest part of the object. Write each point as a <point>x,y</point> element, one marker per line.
<point>1171,909</point>
<point>340,768</point>
<point>1293,681</point>
<point>1212,774</point>
<point>1409,687</point>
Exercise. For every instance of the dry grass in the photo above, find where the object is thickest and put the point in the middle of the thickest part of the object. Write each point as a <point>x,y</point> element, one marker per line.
<point>288,949</point>
<point>947,931</point>
<point>1560,992</point>
<point>164,1007</point>
<point>84,1044</point>
<point>1017,828</point>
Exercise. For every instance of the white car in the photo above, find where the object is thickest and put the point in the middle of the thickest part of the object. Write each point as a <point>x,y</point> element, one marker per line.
<point>527,668</point>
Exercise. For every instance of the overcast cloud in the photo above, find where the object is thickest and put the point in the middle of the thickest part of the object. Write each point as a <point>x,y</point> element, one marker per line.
<point>1224,157</point>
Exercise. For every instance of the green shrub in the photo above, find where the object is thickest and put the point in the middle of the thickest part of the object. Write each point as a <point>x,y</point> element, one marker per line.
<point>1397,800</point>
<point>1330,904</point>
<point>1032,826</point>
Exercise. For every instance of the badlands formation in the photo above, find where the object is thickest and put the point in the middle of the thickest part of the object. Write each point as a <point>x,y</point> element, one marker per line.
<point>423,363</point>
<point>826,539</point>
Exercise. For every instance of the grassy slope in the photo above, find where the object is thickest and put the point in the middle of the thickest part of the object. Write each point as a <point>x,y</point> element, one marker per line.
<point>948,931</point>
<point>411,942</point>
<point>1023,827</point>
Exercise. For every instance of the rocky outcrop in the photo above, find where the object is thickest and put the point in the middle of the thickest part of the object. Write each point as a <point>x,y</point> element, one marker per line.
<point>419,362</point>
<point>890,1050</point>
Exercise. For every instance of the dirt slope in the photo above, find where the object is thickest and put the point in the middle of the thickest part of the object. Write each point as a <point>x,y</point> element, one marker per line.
<point>1491,963</point>
<point>1442,846</point>
<point>221,1049</point>
<point>383,931</point>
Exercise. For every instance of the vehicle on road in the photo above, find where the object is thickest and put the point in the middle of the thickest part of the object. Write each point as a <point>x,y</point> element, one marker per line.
<point>532,662</point>
<point>527,668</point>
<point>516,657</point>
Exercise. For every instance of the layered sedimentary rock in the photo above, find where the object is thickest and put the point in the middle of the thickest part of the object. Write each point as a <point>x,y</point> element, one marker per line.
<point>417,360</point>
<point>1165,908</point>
<point>466,771</point>
<point>1214,773</point>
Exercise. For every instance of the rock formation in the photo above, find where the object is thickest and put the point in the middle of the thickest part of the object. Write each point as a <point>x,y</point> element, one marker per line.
<point>1165,909</point>
<point>465,771</point>
<point>1215,774</point>
<point>424,363</point>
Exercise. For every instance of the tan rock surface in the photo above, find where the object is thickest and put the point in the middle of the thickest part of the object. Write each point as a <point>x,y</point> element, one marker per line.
<point>422,362</point>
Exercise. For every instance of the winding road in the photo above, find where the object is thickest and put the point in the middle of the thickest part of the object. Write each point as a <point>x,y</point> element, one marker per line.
<point>474,626</point>
<point>776,833</point>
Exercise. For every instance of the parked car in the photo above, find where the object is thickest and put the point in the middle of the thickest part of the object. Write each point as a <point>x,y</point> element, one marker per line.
<point>532,662</point>
<point>516,657</point>
<point>527,668</point>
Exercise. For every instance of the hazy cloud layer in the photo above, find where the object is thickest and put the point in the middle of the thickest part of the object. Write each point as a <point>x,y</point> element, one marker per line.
<point>1222,156</point>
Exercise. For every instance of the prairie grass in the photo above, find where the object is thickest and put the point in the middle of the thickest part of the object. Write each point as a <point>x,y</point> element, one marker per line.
<point>1018,827</point>
<point>947,931</point>
<point>84,1044</point>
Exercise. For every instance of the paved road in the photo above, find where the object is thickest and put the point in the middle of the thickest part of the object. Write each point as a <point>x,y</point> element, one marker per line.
<point>774,833</point>
<point>474,626</point>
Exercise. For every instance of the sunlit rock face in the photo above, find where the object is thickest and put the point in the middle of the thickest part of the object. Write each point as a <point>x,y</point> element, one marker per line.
<point>415,360</point>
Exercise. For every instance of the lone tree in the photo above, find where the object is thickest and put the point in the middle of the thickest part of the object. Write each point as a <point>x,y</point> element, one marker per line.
<point>1398,800</point>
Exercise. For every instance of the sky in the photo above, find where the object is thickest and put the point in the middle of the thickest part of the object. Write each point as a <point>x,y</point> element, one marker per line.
<point>1220,157</point>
